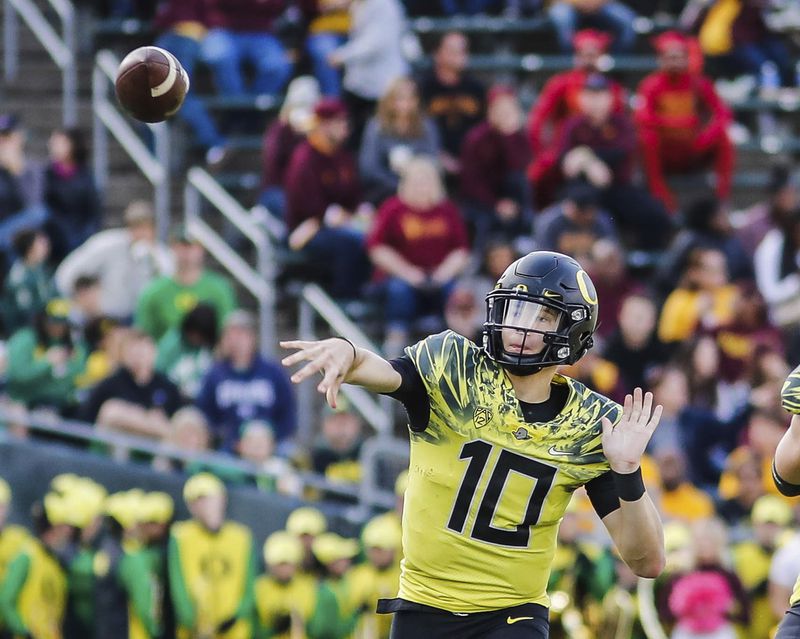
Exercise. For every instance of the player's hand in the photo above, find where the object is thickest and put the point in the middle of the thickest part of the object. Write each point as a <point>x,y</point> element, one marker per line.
<point>333,357</point>
<point>624,444</point>
<point>790,393</point>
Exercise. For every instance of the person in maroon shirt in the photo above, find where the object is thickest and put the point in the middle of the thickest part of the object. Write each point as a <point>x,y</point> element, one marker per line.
<point>682,122</point>
<point>493,159</point>
<point>241,31</point>
<point>599,146</point>
<point>283,135</point>
<point>556,103</point>
<point>419,244</point>
<point>323,202</point>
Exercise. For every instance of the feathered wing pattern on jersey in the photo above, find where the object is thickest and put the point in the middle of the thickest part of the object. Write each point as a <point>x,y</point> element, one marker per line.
<point>790,393</point>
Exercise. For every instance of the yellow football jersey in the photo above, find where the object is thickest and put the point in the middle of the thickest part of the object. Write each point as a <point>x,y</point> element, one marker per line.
<point>486,489</point>
<point>796,594</point>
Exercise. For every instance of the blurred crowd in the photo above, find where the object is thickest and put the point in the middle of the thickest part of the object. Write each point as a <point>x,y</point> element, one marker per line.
<point>411,187</point>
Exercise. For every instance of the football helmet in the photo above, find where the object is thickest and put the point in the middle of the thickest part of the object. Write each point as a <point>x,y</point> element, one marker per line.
<point>542,312</point>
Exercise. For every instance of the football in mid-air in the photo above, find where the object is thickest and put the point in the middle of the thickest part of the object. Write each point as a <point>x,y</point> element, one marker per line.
<point>151,84</point>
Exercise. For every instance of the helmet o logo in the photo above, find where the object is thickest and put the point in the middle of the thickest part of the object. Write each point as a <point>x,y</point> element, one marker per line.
<point>586,288</point>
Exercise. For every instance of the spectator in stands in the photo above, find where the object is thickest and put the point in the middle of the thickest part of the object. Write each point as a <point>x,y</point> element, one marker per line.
<point>102,337</point>
<point>70,193</point>
<point>783,572</point>
<point>610,15</point>
<point>242,31</point>
<point>136,398</point>
<point>746,470</point>
<point>186,352</point>
<point>706,224</point>
<point>452,8</point>
<point>336,554</point>
<point>776,266</point>
<point>86,301</point>
<point>398,131</point>
<point>682,122</point>
<point>183,27</point>
<point>705,299</point>
<point>599,146</point>
<point>257,446</point>
<point>306,524</point>
<point>609,271</point>
<point>328,25</point>
<point>323,196</point>
<point>243,385</point>
<point>43,361</point>
<point>125,261</point>
<point>284,134</point>
<point>494,157</point>
<point>557,102</point>
<point>21,183</point>
<point>226,608</point>
<point>634,346</point>
<point>164,302</point>
<point>573,225</point>
<point>29,284</point>
<point>372,57</point>
<point>670,387</point>
<point>189,430</point>
<point>336,451</point>
<point>781,203</point>
<point>679,498</point>
<point>452,97</point>
<point>419,244</point>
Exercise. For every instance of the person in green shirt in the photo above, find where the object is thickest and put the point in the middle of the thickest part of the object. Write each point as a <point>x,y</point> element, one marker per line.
<point>29,283</point>
<point>155,517</point>
<point>164,302</point>
<point>43,360</point>
<point>336,554</point>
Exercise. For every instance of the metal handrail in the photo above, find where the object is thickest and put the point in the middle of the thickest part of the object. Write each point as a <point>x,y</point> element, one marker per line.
<point>61,48</point>
<point>314,303</point>
<point>258,280</point>
<point>107,118</point>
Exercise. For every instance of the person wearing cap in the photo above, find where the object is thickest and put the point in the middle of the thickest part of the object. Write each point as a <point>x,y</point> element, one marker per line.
<point>211,566</point>
<point>336,452</point>
<point>281,137</point>
<point>44,360</point>
<point>494,156</point>
<point>556,103</point>
<point>307,523</point>
<point>290,603</point>
<point>124,260</point>
<point>29,284</point>
<point>682,122</point>
<point>336,555</point>
<point>379,576</point>
<point>13,538</point>
<point>397,132</point>
<point>243,385</point>
<point>323,196</point>
<point>183,26</point>
<point>599,146</point>
<point>770,517</point>
<point>156,512</point>
<point>124,597</point>
<point>164,301</point>
<point>611,15</point>
<point>135,398</point>
<point>33,594</point>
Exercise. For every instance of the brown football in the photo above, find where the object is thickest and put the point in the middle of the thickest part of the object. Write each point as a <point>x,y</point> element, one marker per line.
<point>151,84</point>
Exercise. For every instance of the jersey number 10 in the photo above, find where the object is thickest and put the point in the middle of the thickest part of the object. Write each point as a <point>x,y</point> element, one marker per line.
<point>478,453</point>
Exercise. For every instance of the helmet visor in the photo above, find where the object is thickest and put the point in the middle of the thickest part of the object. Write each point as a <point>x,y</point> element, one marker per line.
<point>524,324</point>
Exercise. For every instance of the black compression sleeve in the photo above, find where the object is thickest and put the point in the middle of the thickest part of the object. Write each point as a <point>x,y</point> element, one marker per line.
<point>603,494</point>
<point>412,394</point>
<point>783,486</point>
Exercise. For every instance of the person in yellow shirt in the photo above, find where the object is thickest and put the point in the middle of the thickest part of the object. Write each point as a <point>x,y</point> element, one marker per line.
<point>33,596</point>
<point>211,565</point>
<point>287,601</point>
<point>307,523</point>
<point>12,537</point>
<point>680,499</point>
<point>704,299</point>
<point>336,554</point>
<point>379,576</point>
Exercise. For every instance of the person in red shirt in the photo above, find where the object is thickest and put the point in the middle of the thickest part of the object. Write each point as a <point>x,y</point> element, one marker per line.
<point>419,244</point>
<point>493,159</point>
<point>323,202</point>
<point>682,121</point>
<point>558,101</point>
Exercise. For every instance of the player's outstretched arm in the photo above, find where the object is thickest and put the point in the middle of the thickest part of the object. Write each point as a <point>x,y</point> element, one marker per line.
<point>341,362</point>
<point>635,527</point>
<point>787,455</point>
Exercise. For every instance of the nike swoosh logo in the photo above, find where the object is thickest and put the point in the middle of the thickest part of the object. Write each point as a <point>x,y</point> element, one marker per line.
<point>555,452</point>
<point>510,620</point>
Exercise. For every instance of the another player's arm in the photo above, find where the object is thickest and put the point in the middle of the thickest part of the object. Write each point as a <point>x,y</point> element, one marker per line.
<point>341,362</point>
<point>635,527</point>
<point>786,466</point>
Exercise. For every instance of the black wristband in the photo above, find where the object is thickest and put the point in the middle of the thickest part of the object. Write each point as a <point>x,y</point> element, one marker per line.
<point>783,486</point>
<point>630,486</point>
<point>353,346</point>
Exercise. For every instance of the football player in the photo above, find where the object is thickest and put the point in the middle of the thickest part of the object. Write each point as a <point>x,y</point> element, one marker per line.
<point>499,442</point>
<point>786,473</point>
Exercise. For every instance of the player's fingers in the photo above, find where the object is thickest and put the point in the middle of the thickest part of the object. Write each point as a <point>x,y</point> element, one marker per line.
<point>647,408</point>
<point>608,427</point>
<point>329,377</point>
<point>308,370</point>
<point>296,343</point>
<point>294,358</point>
<point>656,418</point>
<point>332,394</point>
<point>636,408</point>
<point>627,406</point>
